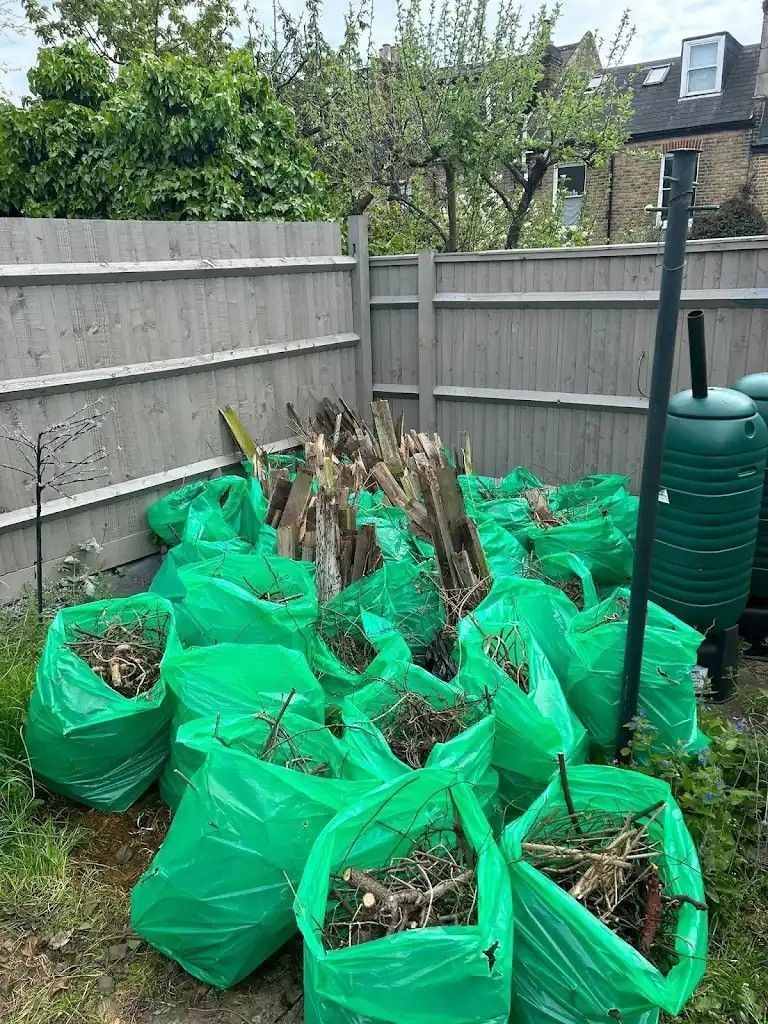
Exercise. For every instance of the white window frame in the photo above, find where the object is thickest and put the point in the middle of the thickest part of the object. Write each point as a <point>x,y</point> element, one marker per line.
<point>656,67</point>
<point>660,198</point>
<point>688,44</point>
<point>595,82</point>
<point>556,175</point>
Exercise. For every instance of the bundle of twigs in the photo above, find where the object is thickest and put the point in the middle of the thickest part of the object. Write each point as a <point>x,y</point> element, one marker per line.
<point>610,863</point>
<point>499,647</point>
<point>541,514</point>
<point>282,747</point>
<point>435,885</point>
<point>572,587</point>
<point>412,726</point>
<point>351,646</point>
<point>126,655</point>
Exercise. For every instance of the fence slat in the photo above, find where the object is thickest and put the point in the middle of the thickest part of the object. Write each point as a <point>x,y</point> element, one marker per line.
<point>427,343</point>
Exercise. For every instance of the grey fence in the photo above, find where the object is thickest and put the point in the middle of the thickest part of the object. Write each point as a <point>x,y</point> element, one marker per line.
<point>543,355</point>
<point>167,322</point>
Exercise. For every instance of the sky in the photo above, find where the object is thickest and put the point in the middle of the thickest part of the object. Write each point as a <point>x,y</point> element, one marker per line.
<point>660,26</point>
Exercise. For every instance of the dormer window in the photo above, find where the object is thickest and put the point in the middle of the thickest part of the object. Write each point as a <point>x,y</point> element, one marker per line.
<point>702,70</point>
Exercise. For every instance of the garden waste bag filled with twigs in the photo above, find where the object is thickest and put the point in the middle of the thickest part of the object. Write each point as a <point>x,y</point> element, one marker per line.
<point>610,919</point>
<point>499,657</point>
<point>416,720</point>
<point>226,508</point>
<point>217,897</point>
<point>236,598</point>
<point>667,708</point>
<point>230,680</point>
<point>99,715</point>
<point>347,655</point>
<point>405,911</point>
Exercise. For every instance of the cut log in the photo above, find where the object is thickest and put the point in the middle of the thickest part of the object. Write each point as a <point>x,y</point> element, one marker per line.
<point>385,435</point>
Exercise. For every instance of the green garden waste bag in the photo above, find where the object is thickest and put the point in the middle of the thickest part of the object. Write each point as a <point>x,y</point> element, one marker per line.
<point>390,654</point>
<point>569,967</point>
<point>85,740</point>
<point>392,529</point>
<point>511,514</point>
<point>468,755</point>
<point>166,580</point>
<point>588,490</point>
<point>667,700</point>
<point>437,975</point>
<point>602,547</point>
<point>403,593</point>
<point>505,555</point>
<point>217,897</point>
<point>247,599</point>
<point>531,728</point>
<point>563,571</point>
<point>227,680</point>
<point>219,509</point>
<point>543,610</point>
<point>478,489</point>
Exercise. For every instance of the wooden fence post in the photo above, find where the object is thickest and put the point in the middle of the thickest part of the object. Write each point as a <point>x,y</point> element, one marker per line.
<point>427,343</point>
<point>361,310</point>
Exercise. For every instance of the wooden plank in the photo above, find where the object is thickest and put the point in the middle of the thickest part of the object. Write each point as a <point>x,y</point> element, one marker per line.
<point>707,298</point>
<point>563,399</point>
<point>406,390</point>
<point>298,497</point>
<point>427,342</point>
<point>385,435</point>
<point>277,500</point>
<point>27,275</point>
<point>242,438</point>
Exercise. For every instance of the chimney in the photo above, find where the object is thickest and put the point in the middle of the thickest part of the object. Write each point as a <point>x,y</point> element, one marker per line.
<point>761,80</point>
<point>386,52</point>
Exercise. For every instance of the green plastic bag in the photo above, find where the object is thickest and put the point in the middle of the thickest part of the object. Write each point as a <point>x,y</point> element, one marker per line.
<point>222,600</point>
<point>568,573</point>
<point>226,680</point>
<point>85,740</point>
<point>221,509</point>
<point>403,593</point>
<point>531,728</point>
<point>569,967</point>
<point>588,490</point>
<point>468,755</point>
<point>166,580</point>
<point>167,517</point>
<point>437,975</point>
<point>504,553</point>
<point>667,699</point>
<point>604,550</point>
<point>392,533</point>
<point>217,896</point>
<point>478,489</point>
<point>339,679</point>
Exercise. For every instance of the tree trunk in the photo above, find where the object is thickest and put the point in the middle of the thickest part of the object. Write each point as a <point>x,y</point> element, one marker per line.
<point>450,191</point>
<point>535,177</point>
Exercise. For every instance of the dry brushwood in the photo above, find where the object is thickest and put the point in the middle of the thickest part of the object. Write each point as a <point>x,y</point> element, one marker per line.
<point>435,885</point>
<point>413,727</point>
<point>573,588</point>
<point>283,748</point>
<point>541,514</point>
<point>126,656</point>
<point>353,649</point>
<point>612,864</point>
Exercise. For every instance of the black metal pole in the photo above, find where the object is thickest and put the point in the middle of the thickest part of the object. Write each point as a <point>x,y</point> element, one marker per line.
<point>698,353</point>
<point>683,170</point>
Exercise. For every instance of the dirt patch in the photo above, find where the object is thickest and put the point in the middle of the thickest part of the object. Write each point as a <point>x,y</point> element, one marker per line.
<point>122,845</point>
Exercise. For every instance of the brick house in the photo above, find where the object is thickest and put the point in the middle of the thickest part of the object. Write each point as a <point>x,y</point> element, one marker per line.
<point>711,96</point>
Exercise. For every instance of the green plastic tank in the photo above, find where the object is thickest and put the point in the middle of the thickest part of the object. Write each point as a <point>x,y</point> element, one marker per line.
<point>712,482</point>
<point>756,386</point>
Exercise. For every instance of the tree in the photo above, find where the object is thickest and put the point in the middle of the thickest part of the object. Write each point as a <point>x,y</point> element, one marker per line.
<point>459,121</point>
<point>737,217</point>
<point>165,138</point>
<point>121,30</point>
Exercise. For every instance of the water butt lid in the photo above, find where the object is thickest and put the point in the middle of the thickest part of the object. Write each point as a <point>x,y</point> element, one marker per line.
<point>754,384</point>
<point>720,404</point>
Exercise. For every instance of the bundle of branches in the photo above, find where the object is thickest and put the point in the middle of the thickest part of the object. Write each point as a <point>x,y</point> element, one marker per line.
<point>413,727</point>
<point>502,648</point>
<point>126,655</point>
<point>435,885</point>
<point>612,865</point>
<point>350,645</point>
<point>282,747</point>
<point>541,514</point>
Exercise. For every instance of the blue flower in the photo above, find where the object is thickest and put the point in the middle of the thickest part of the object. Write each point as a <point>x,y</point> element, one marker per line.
<point>740,724</point>
<point>703,757</point>
<point>709,798</point>
<point>720,784</point>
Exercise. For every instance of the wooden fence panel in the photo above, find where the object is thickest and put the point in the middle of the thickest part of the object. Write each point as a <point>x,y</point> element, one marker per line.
<point>165,322</point>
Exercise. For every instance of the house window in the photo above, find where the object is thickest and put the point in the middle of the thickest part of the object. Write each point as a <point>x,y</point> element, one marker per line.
<point>570,179</point>
<point>595,82</point>
<point>702,70</point>
<point>657,75</point>
<point>665,187</point>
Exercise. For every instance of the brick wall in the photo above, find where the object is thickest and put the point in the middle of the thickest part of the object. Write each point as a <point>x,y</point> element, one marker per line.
<point>723,167</point>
